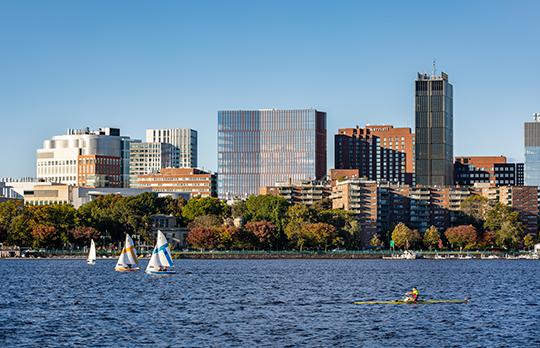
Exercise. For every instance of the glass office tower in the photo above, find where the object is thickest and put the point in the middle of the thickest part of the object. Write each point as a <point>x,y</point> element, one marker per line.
<point>261,147</point>
<point>434,130</point>
<point>532,151</point>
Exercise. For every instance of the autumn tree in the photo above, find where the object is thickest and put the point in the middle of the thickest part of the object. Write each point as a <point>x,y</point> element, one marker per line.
<point>322,235</point>
<point>431,237</point>
<point>82,235</point>
<point>265,232</point>
<point>404,237</point>
<point>202,238</point>
<point>463,236</point>
<point>375,241</point>
<point>45,236</point>
<point>475,209</point>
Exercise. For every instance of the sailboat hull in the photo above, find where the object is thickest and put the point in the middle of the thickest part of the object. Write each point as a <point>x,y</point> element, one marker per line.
<point>160,272</point>
<point>126,269</point>
<point>91,263</point>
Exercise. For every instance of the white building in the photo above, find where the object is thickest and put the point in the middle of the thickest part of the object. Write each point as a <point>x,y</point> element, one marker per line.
<point>184,139</point>
<point>85,158</point>
<point>148,158</point>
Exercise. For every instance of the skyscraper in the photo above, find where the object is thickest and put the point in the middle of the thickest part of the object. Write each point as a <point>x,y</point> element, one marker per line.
<point>184,139</point>
<point>148,158</point>
<point>434,130</point>
<point>261,147</point>
<point>532,151</point>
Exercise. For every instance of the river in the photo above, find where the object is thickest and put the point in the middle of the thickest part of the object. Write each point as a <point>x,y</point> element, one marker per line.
<point>272,303</point>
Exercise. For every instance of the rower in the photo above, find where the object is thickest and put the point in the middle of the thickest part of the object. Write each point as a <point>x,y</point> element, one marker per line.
<point>412,296</point>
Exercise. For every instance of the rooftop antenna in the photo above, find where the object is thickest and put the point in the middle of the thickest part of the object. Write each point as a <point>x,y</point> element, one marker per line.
<point>434,68</point>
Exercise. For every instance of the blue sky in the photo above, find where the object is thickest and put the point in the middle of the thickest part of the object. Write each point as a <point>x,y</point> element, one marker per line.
<point>147,64</point>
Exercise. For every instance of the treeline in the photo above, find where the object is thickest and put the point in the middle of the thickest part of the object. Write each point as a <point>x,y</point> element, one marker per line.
<point>260,222</point>
<point>105,220</point>
<point>480,225</point>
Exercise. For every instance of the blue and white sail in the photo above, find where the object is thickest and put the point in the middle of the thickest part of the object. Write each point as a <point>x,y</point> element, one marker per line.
<point>161,261</point>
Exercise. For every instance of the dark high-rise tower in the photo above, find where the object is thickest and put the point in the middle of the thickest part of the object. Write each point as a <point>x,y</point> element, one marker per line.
<point>434,130</point>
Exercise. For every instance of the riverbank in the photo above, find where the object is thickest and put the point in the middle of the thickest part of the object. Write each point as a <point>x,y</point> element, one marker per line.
<point>269,255</point>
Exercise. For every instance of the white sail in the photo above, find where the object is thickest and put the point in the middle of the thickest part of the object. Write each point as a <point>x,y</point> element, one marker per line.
<point>92,253</point>
<point>161,255</point>
<point>129,254</point>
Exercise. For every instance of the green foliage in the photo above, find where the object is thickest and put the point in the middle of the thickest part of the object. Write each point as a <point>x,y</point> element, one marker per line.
<point>204,206</point>
<point>505,223</point>
<point>431,238</point>
<point>404,237</point>
<point>529,241</point>
<point>268,208</point>
<point>475,209</point>
<point>8,211</point>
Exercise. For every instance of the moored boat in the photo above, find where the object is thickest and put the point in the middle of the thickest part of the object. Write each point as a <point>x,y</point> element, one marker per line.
<point>92,254</point>
<point>161,260</point>
<point>127,262</point>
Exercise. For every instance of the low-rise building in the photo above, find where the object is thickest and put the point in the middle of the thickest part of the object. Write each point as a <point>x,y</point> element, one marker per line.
<point>169,226</point>
<point>194,181</point>
<point>48,193</point>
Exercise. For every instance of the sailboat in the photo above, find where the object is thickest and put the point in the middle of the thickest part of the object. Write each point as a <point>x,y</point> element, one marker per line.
<point>92,254</point>
<point>161,261</point>
<point>127,262</point>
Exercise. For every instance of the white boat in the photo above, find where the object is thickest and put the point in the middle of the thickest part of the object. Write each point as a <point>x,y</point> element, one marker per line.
<point>127,262</point>
<point>406,255</point>
<point>92,254</point>
<point>465,257</point>
<point>439,257</point>
<point>161,260</point>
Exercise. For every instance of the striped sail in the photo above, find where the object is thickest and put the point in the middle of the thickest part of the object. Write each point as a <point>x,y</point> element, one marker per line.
<point>161,255</point>
<point>128,255</point>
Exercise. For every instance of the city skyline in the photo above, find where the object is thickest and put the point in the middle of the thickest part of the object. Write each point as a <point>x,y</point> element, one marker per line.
<point>86,70</point>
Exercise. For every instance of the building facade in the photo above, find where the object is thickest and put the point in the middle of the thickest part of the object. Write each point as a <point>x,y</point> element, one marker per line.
<point>193,181</point>
<point>84,157</point>
<point>434,121</point>
<point>494,170</point>
<point>147,158</point>
<point>532,151</point>
<point>306,192</point>
<point>184,139</point>
<point>379,152</point>
<point>258,148</point>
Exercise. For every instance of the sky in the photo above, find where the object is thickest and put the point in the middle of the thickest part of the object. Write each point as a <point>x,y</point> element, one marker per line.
<point>168,64</point>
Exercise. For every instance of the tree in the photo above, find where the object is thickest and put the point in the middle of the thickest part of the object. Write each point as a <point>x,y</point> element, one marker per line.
<point>475,209</point>
<point>8,211</point>
<point>509,235</point>
<point>202,238</point>
<point>404,237</point>
<point>488,240</point>
<point>375,241</point>
<point>300,235</point>
<point>322,234</point>
<point>265,232</point>
<point>207,221</point>
<point>529,241</point>
<point>82,235</point>
<point>505,223</point>
<point>463,236</point>
<point>239,210</point>
<point>431,237</point>
<point>199,206</point>
<point>268,208</point>
<point>45,236</point>
<point>19,232</point>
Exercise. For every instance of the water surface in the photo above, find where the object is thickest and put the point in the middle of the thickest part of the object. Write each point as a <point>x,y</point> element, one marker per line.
<point>269,303</point>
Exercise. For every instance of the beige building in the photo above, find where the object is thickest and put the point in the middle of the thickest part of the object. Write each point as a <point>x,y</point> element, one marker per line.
<point>193,181</point>
<point>305,192</point>
<point>48,193</point>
